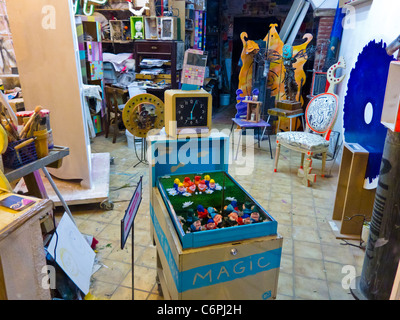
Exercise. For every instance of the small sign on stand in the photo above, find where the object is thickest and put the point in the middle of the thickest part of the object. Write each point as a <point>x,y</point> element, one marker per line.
<point>127,223</point>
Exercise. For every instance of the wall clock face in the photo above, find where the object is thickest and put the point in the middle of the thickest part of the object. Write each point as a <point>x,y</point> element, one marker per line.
<point>192,112</point>
<point>188,113</point>
<point>142,113</point>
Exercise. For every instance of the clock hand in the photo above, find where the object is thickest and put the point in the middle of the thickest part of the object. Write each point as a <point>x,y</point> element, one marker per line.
<point>191,113</point>
<point>194,105</point>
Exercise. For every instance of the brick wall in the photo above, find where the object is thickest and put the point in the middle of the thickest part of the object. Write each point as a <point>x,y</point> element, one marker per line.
<point>324,34</point>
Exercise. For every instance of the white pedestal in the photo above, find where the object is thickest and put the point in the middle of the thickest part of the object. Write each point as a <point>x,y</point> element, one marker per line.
<point>72,191</point>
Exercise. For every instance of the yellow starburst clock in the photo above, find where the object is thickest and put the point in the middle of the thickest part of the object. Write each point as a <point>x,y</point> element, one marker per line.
<point>188,113</point>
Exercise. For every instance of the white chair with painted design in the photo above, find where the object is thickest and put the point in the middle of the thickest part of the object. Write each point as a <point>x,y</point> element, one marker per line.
<point>321,114</point>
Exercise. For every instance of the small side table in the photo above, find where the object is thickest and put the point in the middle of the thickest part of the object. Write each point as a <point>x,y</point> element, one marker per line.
<point>287,114</point>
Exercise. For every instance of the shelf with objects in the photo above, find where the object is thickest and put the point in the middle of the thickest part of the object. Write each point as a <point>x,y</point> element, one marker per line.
<point>89,32</point>
<point>158,64</point>
<point>131,30</point>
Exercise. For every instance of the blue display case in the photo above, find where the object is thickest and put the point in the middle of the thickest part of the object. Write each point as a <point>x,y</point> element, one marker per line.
<point>205,155</point>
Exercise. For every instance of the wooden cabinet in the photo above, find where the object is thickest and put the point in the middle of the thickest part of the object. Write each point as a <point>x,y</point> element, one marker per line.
<point>166,50</point>
<point>353,203</point>
<point>22,255</point>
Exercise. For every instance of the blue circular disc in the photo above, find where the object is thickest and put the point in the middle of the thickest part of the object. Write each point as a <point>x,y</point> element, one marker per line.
<point>366,87</point>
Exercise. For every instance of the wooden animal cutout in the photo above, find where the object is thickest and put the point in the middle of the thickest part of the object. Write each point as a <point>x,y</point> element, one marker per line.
<point>250,49</point>
<point>277,70</point>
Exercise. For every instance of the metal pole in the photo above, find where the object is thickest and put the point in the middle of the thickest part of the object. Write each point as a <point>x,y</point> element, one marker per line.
<point>133,261</point>
<point>383,247</point>
<point>48,176</point>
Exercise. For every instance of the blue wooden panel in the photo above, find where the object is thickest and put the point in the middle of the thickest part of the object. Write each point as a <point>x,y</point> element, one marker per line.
<point>182,156</point>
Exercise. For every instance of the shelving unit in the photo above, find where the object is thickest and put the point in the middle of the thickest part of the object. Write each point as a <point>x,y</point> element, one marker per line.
<point>166,50</point>
<point>91,57</point>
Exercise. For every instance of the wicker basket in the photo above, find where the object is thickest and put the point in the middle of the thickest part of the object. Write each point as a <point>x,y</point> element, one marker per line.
<point>13,159</point>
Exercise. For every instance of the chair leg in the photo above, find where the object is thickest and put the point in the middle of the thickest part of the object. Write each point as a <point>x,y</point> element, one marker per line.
<point>270,148</point>
<point>302,161</point>
<point>233,123</point>
<point>323,164</point>
<point>107,126</point>
<point>116,129</point>
<point>278,151</point>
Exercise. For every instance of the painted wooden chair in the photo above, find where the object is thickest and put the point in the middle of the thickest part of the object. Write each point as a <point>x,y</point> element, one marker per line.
<point>321,114</point>
<point>114,109</point>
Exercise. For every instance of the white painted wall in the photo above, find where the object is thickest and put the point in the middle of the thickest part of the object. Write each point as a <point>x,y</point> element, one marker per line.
<point>369,21</point>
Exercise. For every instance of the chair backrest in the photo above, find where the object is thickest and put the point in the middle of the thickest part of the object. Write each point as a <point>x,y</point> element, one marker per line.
<point>321,113</point>
<point>112,95</point>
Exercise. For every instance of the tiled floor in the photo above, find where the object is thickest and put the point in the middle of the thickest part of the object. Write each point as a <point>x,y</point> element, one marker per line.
<point>312,259</point>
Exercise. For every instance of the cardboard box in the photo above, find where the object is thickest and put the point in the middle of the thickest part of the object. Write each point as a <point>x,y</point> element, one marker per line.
<point>240,270</point>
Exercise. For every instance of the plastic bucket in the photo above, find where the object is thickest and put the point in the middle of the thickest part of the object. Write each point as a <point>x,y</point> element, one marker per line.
<point>130,139</point>
<point>224,99</point>
<point>42,146</point>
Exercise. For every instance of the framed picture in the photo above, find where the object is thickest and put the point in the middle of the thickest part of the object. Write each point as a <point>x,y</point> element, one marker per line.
<point>137,27</point>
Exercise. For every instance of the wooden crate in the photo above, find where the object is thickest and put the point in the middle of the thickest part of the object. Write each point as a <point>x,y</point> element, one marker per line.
<point>169,28</point>
<point>351,197</point>
<point>152,28</point>
<point>253,111</point>
<point>239,270</point>
<point>120,30</point>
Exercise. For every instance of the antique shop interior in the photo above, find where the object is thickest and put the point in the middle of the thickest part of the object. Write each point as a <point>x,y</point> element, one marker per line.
<point>199,150</point>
